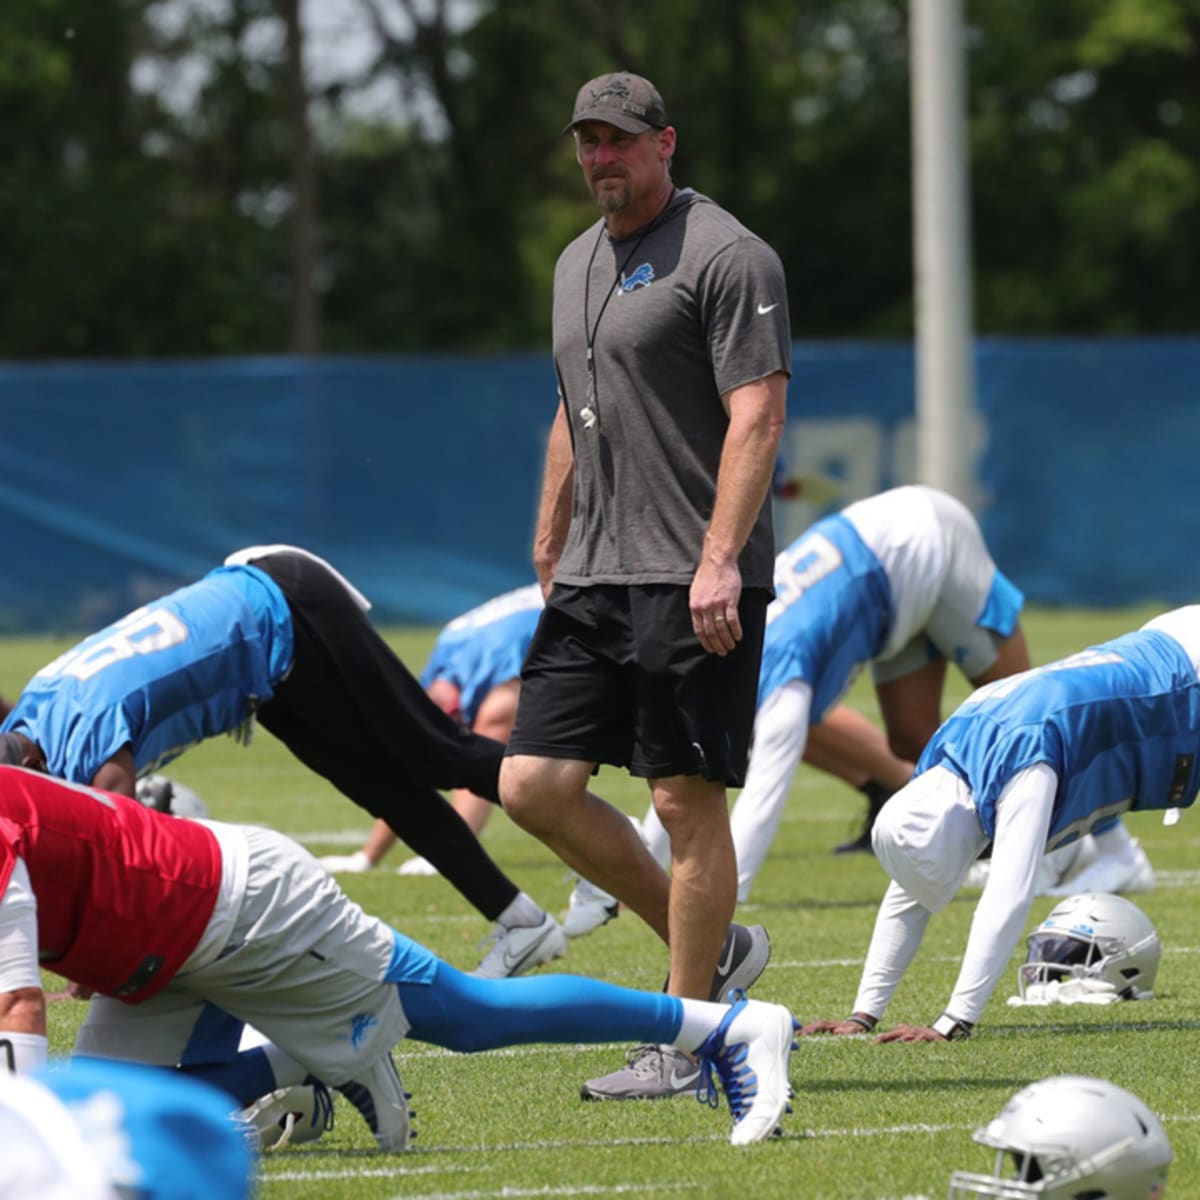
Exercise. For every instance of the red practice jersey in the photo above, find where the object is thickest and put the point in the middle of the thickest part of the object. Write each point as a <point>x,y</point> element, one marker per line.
<point>124,893</point>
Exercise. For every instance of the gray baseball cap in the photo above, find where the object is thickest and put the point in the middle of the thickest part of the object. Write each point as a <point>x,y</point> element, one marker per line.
<point>627,101</point>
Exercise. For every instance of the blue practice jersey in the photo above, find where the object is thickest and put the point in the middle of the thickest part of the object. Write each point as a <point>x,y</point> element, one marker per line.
<point>196,663</point>
<point>155,1134</point>
<point>831,613</point>
<point>1119,723</point>
<point>485,647</point>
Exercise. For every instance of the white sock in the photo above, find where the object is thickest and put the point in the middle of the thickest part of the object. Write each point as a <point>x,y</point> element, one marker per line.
<point>657,839</point>
<point>21,1053</point>
<point>521,913</point>
<point>700,1018</point>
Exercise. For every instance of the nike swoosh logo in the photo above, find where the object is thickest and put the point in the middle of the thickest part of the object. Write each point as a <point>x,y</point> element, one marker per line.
<point>513,962</point>
<point>688,1079</point>
<point>763,309</point>
<point>723,968</point>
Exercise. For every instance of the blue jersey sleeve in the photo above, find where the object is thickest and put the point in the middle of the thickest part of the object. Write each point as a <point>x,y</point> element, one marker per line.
<point>831,614</point>
<point>191,665</point>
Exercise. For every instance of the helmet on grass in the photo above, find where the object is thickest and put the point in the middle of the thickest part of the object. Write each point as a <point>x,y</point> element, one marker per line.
<point>1070,1137</point>
<point>1097,937</point>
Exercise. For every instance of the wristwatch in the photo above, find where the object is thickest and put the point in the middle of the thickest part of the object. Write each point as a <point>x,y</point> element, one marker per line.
<point>951,1028</point>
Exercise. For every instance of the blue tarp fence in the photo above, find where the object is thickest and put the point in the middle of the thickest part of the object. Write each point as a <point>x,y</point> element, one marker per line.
<point>419,477</point>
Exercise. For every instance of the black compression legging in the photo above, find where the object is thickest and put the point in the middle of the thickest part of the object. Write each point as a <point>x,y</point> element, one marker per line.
<point>352,711</point>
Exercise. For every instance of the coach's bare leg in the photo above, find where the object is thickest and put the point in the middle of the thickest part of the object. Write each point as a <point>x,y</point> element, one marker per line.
<point>548,797</point>
<point>695,812</point>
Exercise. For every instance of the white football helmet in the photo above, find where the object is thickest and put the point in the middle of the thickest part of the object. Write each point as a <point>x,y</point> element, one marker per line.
<point>1068,1137</point>
<point>290,1116</point>
<point>1096,937</point>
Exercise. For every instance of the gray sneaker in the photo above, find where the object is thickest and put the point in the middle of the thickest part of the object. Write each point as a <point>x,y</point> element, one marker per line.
<point>650,1073</point>
<point>744,957</point>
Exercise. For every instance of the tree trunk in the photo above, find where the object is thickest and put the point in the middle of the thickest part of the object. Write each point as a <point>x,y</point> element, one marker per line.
<point>306,317</point>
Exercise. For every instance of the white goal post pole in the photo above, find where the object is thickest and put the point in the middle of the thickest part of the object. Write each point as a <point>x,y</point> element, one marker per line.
<point>947,426</point>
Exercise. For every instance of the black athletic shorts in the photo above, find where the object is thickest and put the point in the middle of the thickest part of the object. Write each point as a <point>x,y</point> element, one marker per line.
<point>615,674</point>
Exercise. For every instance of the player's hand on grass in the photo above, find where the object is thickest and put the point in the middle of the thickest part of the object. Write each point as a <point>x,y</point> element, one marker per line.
<point>73,991</point>
<point>838,1028</point>
<point>911,1033</point>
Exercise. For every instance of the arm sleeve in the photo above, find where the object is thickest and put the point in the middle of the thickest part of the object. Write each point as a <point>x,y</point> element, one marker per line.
<point>899,928</point>
<point>1023,814</point>
<point>780,732</point>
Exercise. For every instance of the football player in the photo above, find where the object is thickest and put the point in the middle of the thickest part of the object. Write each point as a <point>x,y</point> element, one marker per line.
<point>187,929</point>
<point>277,635</point>
<point>1028,764</point>
<point>903,581</point>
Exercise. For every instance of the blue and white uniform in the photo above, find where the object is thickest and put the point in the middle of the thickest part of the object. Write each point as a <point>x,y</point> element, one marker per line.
<point>1119,724</point>
<point>897,580</point>
<point>1031,763</point>
<point>98,1130</point>
<point>485,647</point>
<point>275,635</point>
<point>196,663</point>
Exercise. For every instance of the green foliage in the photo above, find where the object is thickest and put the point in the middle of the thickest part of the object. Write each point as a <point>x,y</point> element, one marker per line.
<point>1084,149</point>
<point>147,200</point>
<point>870,1122</point>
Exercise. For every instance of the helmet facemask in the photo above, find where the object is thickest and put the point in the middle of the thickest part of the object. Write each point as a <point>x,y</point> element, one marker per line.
<point>1069,1137</point>
<point>1098,944</point>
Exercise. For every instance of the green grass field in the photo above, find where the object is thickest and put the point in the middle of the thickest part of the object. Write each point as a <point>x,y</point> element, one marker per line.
<point>871,1122</point>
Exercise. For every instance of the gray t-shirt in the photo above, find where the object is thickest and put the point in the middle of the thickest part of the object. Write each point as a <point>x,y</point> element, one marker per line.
<point>679,313</point>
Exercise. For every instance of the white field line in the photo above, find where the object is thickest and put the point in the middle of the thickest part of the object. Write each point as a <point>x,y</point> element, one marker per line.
<point>330,837</point>
<point>351,1172</point>
<point>504,1193</point>
<point>293,1176</point>
<point>609,1189</point>
<point>1178,879</point>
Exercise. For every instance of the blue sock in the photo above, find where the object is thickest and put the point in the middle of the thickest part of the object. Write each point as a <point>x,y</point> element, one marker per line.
<point>464,1013</point>
<point>245,1078</point>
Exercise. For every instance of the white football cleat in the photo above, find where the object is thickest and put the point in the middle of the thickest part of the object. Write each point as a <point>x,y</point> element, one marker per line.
<point>379,1096</point>
<point>518,948</point>
<point>347,864</point>
<point>416,866</point>
<point>1142,877</point>
<point>750,1052</point>
<point>589,908</point>
<point>1128,871</point>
